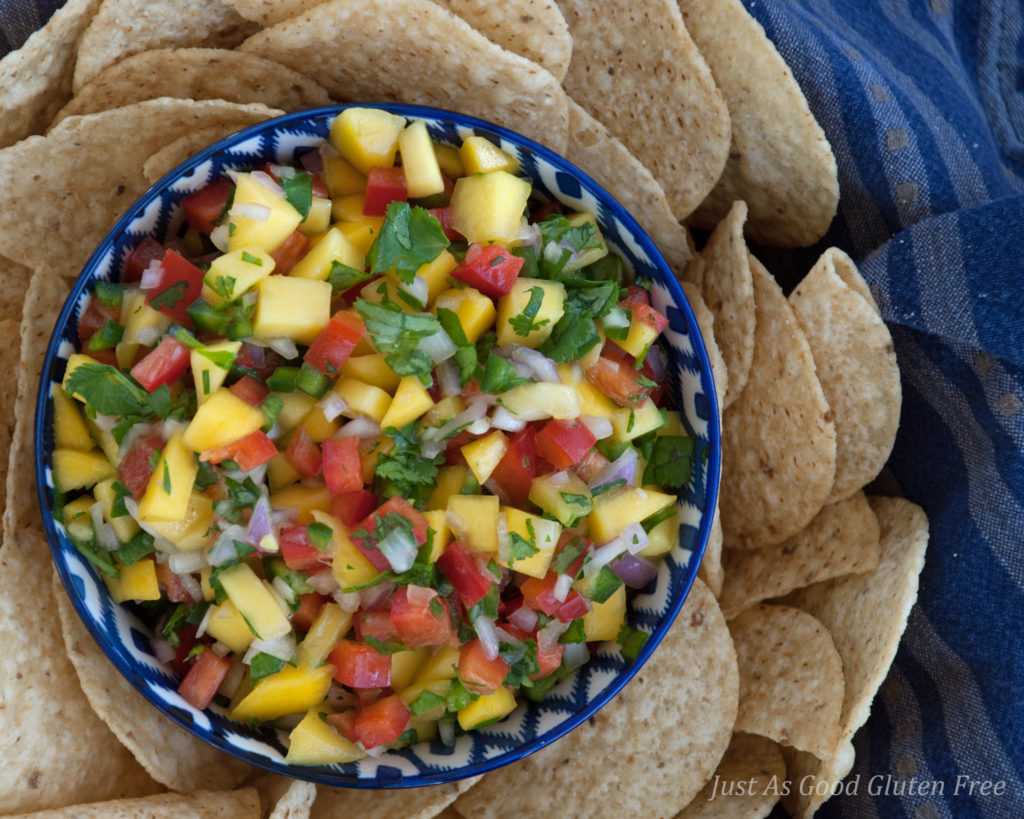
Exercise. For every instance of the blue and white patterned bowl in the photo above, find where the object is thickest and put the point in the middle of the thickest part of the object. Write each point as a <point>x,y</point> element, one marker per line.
<point>126,640</point>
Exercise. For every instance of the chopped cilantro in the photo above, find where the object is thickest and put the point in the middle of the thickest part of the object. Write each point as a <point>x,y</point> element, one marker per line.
<point>524,323</point>
<point>251,259</point>
<point>263,665</point>
<point>671,461</point>
<point>298,190</point>
<point>465,353</point>
<point>631,641</point>
<point>396,335</point>
<point>486,606</point>
<point>563,242</point>
<point>576,633</point>
<point>342,277</point>
<point>605,584</point>
<point>409,238</point>
<point>241,496</point>
<point>522,662</point>
<point>403,470</point>
<point>522,548</point>
<point>575,333</point>
<point>169,296</point>
<point>425,702</point>
<point>498,375</point>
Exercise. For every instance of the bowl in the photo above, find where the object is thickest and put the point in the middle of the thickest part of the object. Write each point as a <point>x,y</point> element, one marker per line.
<point>125,638</point>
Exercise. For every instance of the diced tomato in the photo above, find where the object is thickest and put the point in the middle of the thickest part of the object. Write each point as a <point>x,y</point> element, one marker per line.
<point>471,580</point>
<point>136,467</point>
<point>575,606</point>
<point>171,584</point>
<point>425,622</point>
<point>257,361</point>
<point>564,443</point>
<point>204,208</point>
<point>375,623</point>
<point>203,679</point>
<point>590,465</point>
<point>164,364</point>
<point>297,551</point>
<point>289,252</point>
<point>646,314</point>
<point>352,507</point>
<point>360,666</point>
<point>187,641</point>
<point>248,452</point>
<point>381,722</point>
<point>548,661</point>
<point>398,506</point>
<point>343,464</point>
<point>303,454</point>
<point>517,467</point>
<point>180,283</point>
<point>93,317</point>
<point>635,296</point>
<point>491,269</point>
<point>478,673</point>
<point>331,349</point>
<point>616,378</point>
<point>309,607</point>
<point>145,252</point>
<point>383,186</point>
<point>444,216</point>
<point>539,593</point>
<point>344,723</point>
<point>251,390</point>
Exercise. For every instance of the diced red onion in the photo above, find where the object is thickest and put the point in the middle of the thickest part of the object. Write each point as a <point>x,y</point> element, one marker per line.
<point>447,374</point>
<point>162,649</point>
<point>563,586</point>
<point>152,275</point>
<point>181,563</point>
<point>539,366</point>
<point>622,468</point>
<point>250,210</point>
<point>332,405</point>
<point>504,420</point>
<point>656,357</point>
<point>599,426</point>
<point>323,582</point>
<point>257,353</point>
<point>524,618</point>
<point>312,161</point>
<point>635,571</point>
<point>376,596</point>
<point>419,595</point>
<point>486,631</point>
<point>259,522</point>
<point>438,346</point>
<point>399,546</point>
<point>431,449</point>
<point>267,181</point>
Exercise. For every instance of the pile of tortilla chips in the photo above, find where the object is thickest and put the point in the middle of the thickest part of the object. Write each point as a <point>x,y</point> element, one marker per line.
<point>687,114</point>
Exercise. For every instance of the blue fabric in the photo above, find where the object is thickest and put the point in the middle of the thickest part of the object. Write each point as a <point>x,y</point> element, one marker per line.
<point>923,102</point>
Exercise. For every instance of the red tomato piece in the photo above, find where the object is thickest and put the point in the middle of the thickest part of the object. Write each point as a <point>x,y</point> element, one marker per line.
<point>343,465</point>
<point>646,314</point>
<point>289,252</point>
<point>136,467</point>
<point>248,452</point>
<point>303,454</point>
<point>478,673</point>
<point>518,467</point>
<point>352,507</point>
<point>381,722</point>
<point>309,607</point>
<point>344,723</point>
<point>575,606</point>
<point>297,551</point>
<point>251,390</point>
<point>444,216</point>
<point>539,593</point>
<point>383,186</point>
<point>145,252</point>
<point>204,208</point>
<point>423,623</point>
<point>331,349</point>
<point>203,679</point>
<point>376,624</point>
<point>164,364</point>
<point>471,580</point>
<point>358,665</point>
<point>564,443</point>
<point>548,661</point>
<point>180,284</point>
<point>635,295</point>
<point>93,317</point>
<point>491,269</point>
<point>171,584</point>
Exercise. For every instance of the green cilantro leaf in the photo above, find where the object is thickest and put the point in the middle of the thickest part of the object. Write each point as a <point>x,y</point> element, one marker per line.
<point>498,375</point>
<point>169,296</point>
<point>563,242</point>
<point>409,238</point>
<point>263,665</point>
<point>342,277</point>
<point>396,335</point>
<point>524,323</point>
<point>466,358</point>
<point>403,470</point>
<point>425,702</point>
<point>606,583</point>
<point>522,661</point>
<point>521,548</point>
<point>671,461</point>
<point>108,391</point>
<point>298,190</point>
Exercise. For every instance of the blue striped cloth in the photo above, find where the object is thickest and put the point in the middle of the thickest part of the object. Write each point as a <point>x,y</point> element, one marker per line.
<point>923,102</point>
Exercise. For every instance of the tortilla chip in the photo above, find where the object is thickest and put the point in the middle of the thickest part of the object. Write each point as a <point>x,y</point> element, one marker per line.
<point>296,802</point>
<point>749,781</point>
<point>706,323</point>
<point>636,69</point>
<point>711,570</point>
<point>455,66</point>
<point>856,364</point>
<point>655,744</point>
<point>778,437</point>
<point>791,678</point>
<point>35,80</point>
<point>10,338</point>
<point>725,281</point>
<point>171,156</point>
<point>198,74</point>
<point>847,271</point>
<point>63,191</point>
<point>780,161</point>
<point>415,803</point>
<point>14,280</point>
<point>866,615</point>
<point>171,755</point>
<point>125,27</point>
<point>597,153</point>
<point>842,539</point>
<point>240,804</point>
<point>56,751</point>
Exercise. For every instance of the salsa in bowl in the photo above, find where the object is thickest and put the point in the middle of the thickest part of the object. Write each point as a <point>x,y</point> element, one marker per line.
<point>377,446</point>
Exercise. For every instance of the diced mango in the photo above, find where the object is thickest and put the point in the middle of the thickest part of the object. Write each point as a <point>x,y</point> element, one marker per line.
<point>410,401</point>
<point>371,369</point>
<point>480,155</point>
<point>285,692</point>
<point>341,178</point>
<point>542,399</point>
<point>615,510</point>
<point>628,424</point>
<point>489,207</point>
<point>318,218</point>
<point>222,418</point>
<point>435,273</point>
<point>512,305</point>
<point>563,495</point>
<point>314,741</point>
<point>419,162</point>
<point>226,624</point>
<point>297,405</point>
<point>125,526</point>
<point>440,687</point>
<point>484,454</point>
<point>331,624</point>
<point>437,527</point>
<point>207,371</point>
<point>441,665</point>
<point>405,665</point>
<point>191,532</point>
<point>254,601</point>
<point>475,311</point>
<point>595,402</point>
<point>362,233</point>
<point>349,566</point>
<point>267,228</point>
<point>539,534</point>
<point>75,360</point>
<point>638,339</point>
<point>292,308</point>
<point>332,247</point>
<point>367,137</point>
<point>604,621</point>
<point>139,319</point>
<point>77,519</point>
<point>135,582</point>
<point>450,480</point>
<point>487,709</point>
<point>305,500</point>
<point>449,160</point>
<point>663,538</point>
<point>350,208</point>
<point>362,399</point>
<point>316,424</point>
<point>169,492</point>
<point>472,521</point>
<point>232,274</point>
<point>280,473</point>
<point>69,429</point>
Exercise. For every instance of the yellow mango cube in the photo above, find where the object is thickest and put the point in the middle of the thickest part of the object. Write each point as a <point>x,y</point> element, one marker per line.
<point>169,491</point>
<point>125,526</point>
<point>362,399</point>
<point>207,371</point>
<point>136,582</point>
<point>280,473</point>
<point>305,500</point>
<point>449,160</point>
<point>314,741</point>
<point>297,405</point>
<point>473,519</point>
<point>222,418</point>
<point>663,538</point>
<point>293,308</point>
<point>563,495</point>
<point>484,454</point>
<point>538,533</point>
<point>362,233</point>
<point>628,424</point>
<point>317,426</point>
<point>450,480</point>
<point>349,566</point>
<point>438,529</point>
<point>341,178</point>
<point>69,429</point>
<point>137,318</point>
<point>410,693</point>
<point>487,709</point>
<point>435,273</point>
<point>638,339</point>
<point>75,360</point>
<point>480,155</point>
<point>419,162</point>
<point>373,369</point>
<point>254,601</point>
<point>489,207</point>
<point>232,274</point>
<point>331,624</point>
<point>318,219</point>
<point>227,625</point>
<point>604,621</point>
<point>405,665</point>
<point>289,690</point>
<point>542,399</point>
<point>512,305</point>
<point>615,510</point>
<point>259,216</point>
<point>411,400</point>
<point>367,137</point>
<point>74,469</point>
<point>192,531</point>
<point>443,664</point>
<point>475,311</point>
<point>332,247</point>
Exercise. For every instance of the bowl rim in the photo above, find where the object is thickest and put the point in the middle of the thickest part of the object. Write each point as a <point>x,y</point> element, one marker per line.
<point>327,775</point>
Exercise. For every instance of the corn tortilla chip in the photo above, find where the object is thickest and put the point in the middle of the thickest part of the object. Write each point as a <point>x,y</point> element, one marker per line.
<point>455,66</point>
<point>724,278</point>
<point>14,280</point>
<point>596,152</point>
<point>56,751</point>
<point>791,678</point>
<point>706,323</point>
<point>780,161</point>
<point>10,338</point>
<point>866,615</point>
<point>240,804</point>
<point>169,753</point>
<point>655,744</point>
<point>198,74</point>
<point>842,539</point>
<point>636,70</point>
<point>856,364</point>
<point>296,801</point>
<point>711,570</point>
<point>35,80</point>
<point>747,785</point>
<point>847,271</point>
<point>125,27</point>
<point>416,803</point>
<point>778,437</point>
<point>70,187</point>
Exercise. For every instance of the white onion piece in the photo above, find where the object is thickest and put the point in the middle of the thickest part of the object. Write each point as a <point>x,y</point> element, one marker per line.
<point>106,537</point>
<point>191,586</point>
<point>107,424</point>
<point>486,631</point>
<point>576,654</point>
<point>547,637</point>
<point>476,410</point>
<point>563,585</point>
<point>439,346</point>
<point>220,236</point>
<point>418,289</point>
<point>349,601</point>
<point>502,528</point>
<point>399,546</point>
<point>559,478</point>
<point>635,538</point>
<point>185,562</point>
<point>267,181</point>
<point>376,596</point>
<point>332,405</point>
<point>527,236</point>
<point>622,468</point>
<point>152,275</point>
<point>201,628</point>
<point>431,449</point>
<point>479,427</point>
<point>446,733</point>
<point>323,582</point>
<point>541,367</point>
<point>603,555</point>
<point>599,426</point>
<point>282,647</point>
<point>283,589</point>
<point>223,549</point>
<point>419,595</point>
<point>362,427</point>
<point>282,171</point>
<point>284,347</point>
<point>147,336</point>
<point>220,649</point>
<point>162,650</point>
<point>447,374</point>
<point>232,680</point>
<point>524,617</point>
<point>504,420</point>
<point>250,210</point>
